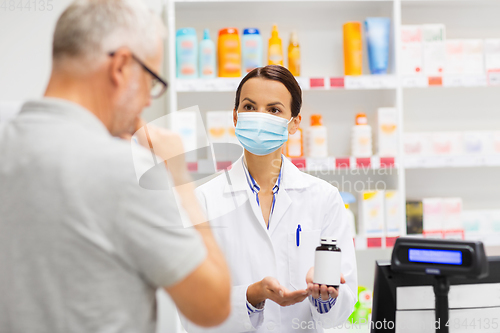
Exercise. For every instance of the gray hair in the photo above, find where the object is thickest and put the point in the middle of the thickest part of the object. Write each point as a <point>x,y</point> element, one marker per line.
<point>90,29</point>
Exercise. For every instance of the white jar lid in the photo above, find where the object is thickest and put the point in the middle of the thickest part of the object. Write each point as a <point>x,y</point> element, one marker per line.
<point>328,240</point>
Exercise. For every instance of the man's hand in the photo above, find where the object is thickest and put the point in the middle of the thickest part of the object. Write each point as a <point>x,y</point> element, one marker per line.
<point>165,143</point>
<point>270,288</point>
<point>317,290</point>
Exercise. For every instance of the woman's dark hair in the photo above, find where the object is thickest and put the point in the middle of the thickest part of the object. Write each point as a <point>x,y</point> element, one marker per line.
<point>275,73</point>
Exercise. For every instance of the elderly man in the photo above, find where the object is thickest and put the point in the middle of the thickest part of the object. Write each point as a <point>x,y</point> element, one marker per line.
<point>83,247</point>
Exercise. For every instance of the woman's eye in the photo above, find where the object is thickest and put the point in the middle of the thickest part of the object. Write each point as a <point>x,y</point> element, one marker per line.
<point>275,110</point>
<point>248,107</point>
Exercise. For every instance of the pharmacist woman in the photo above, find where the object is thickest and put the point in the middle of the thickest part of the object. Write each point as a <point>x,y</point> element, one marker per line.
<point>268,218</point>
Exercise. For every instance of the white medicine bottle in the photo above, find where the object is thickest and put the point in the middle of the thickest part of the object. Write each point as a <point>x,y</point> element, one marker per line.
<point>327,263</point>
<point>316,139</point>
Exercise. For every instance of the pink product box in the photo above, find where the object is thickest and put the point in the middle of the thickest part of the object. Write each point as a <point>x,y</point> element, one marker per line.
<point>496,142</point>
<point>417,144</point>
<point>454,56</point>
<point>473,58</point>
<point>433,214</point>
<point>447,143</point>
<point>412,61</point>
<point>452,219</point>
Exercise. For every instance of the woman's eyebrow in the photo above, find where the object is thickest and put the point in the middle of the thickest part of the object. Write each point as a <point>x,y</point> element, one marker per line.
<point>248,99</point>
<point>275,103</point>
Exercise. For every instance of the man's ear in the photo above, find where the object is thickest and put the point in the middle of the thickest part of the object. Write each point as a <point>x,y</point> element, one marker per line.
<point>119,69</point>
<point>294,124</point>
<point>235,117</point>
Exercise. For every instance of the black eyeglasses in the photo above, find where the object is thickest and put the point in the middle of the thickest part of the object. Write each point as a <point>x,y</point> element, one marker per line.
<point>158,85</point>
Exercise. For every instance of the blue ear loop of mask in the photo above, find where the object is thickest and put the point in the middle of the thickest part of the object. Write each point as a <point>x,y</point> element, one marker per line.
<point>261,133</point>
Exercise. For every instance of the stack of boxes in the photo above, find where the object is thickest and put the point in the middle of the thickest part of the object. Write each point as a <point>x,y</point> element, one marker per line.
<point>425,50</point>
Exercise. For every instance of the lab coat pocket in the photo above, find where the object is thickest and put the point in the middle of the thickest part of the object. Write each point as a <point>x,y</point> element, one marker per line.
<point>301,258</point>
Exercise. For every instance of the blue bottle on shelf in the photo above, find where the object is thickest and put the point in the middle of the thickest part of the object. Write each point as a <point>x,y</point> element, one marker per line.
<point>186,53</point>
<point>251,49</point>
<point>207,56</point>
<point>378,31</point>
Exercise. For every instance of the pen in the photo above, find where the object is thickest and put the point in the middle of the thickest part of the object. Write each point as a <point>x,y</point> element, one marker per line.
<point>299,229</point>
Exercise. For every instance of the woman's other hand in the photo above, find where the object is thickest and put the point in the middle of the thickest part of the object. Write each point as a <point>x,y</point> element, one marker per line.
<point>317,290</point>
<point>270,288</point>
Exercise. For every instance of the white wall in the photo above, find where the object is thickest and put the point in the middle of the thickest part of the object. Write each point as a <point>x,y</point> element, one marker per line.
<point>25,52</point>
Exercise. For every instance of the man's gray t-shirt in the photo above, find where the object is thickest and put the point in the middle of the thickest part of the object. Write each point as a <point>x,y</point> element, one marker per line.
<point>83,247</point>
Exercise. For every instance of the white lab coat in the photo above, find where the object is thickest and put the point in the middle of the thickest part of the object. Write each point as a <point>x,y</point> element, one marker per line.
<point>254,252</point>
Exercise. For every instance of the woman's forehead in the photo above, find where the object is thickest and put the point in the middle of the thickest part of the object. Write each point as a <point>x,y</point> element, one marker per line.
<point>266,91</point>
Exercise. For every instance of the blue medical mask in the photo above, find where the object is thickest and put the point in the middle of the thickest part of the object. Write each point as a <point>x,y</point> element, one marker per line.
<point>261,133</point>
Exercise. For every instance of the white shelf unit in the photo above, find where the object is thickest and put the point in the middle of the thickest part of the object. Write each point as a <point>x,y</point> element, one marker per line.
<point>449,103</point>
<point>325,88</point>
<point>470,104</point>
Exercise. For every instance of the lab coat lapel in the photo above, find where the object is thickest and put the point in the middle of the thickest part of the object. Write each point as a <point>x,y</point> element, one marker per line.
<point>237,182</point>
<point>281,206</point>
<point>257,211</point>
<point>292,179</point>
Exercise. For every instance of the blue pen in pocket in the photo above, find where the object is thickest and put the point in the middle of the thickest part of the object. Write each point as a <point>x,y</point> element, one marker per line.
<point>299,229</point>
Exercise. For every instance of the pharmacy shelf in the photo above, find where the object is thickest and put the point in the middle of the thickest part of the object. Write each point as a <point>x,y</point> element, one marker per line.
<point>362,243</point>
<point>309,164</point>
<point>447,81</point>
<point>229,1</point>
<point>452,161</point>
<point>344,163</point>
<point>363,82</point>
<point>376,242</point>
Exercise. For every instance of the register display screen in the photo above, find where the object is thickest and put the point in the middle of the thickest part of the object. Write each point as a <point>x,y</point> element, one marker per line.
<point>446,257</point>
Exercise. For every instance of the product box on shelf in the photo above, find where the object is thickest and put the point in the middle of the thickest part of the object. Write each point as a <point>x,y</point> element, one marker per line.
<point>387,132</point>
<point>217,126</point>
<point>477,142</point>
<point>492,54</point>
<point>482,225</point>
<point>392,225</point>
<point>294,147</point>
<point>473,56</point>
<point>220,129</point>
<point>452,220</point>
<point>414,217</point>
<point>433,217</point>
<point>411,50</point>
<point>496,142</point>
<point>492,60</point>
<point>434,48</point>
<point>417,144</point>
<point>451,143</point>
<point>371,211</point>
<point>184,123</point>
<point>447,143</point>
<point>442,217</point>
<point>454,56</point>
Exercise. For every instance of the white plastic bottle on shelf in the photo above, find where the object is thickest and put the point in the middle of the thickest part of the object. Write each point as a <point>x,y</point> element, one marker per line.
<point>361,140</point>
<point>351,221</point>
<point>317,146</point>
<point>348,198</point>
<point>207,57</point>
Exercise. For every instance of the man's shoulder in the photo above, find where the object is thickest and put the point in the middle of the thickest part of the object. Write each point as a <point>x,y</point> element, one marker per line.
<point>111,159</point>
